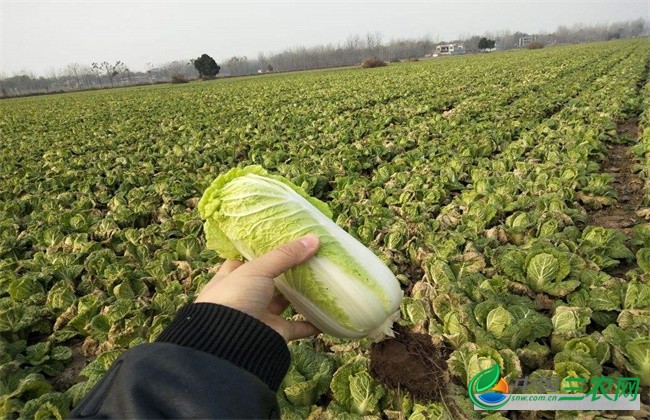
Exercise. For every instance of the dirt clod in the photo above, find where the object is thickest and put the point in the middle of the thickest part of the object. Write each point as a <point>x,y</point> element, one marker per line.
<point>411,362</point>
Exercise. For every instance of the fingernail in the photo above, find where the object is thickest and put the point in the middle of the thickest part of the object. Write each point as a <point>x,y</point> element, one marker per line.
<point>310,241</point>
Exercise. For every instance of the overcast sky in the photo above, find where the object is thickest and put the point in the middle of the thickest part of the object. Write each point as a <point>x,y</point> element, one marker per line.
<point>43,35</point>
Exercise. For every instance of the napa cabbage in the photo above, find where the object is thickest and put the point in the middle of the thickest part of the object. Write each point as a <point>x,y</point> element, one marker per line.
<point>344,290</point>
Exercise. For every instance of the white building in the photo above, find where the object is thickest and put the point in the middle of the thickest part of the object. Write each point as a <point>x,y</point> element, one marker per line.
<point>449,49</point>
<point>525,41</point>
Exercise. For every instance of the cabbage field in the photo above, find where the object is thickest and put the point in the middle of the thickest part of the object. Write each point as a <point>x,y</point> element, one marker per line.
<point>508,192</point>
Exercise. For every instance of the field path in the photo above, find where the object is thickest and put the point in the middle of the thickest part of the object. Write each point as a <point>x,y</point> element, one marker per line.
<point>619,162</point>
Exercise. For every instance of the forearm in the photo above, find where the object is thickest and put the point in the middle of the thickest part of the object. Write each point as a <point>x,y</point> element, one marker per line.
<point>233,336</point>
<point>204,364</point>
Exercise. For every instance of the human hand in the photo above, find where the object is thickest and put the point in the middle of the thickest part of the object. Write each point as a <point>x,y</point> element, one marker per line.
<point>249,287</point>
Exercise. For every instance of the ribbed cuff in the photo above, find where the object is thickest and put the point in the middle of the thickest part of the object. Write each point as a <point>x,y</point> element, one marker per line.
<point>231,335</point>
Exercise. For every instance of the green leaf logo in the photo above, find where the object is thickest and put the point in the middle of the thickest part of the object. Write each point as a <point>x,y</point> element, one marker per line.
<point>484,382</point>
<point>487,378</point>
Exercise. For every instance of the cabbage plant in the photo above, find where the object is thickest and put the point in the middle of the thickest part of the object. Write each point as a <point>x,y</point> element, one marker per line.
<point>344,290</point>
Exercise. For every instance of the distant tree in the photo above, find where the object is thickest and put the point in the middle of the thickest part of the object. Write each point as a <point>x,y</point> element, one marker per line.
<point>241,65</point>
<point>2,87</point>
<point>471,44</point>
<point>26,82</point>
<point>178,68</point>
<point>128,74</point>
<point>486,44</point>
<point>73,70</point>
<point>353,42</point>
<point>616,34</point>
<point>150,71</point>
<point>111,70</point>
<point>206,66</point>
<point>233,64</point>
<point>97,71</point>
<point>269,68</point>
<point>373,40</point>
<point>245,65</point>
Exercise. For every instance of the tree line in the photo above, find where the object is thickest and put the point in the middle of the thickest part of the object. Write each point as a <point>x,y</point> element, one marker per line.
<point>352,51</point>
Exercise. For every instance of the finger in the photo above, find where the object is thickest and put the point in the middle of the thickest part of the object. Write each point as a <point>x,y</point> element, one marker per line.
<point>224,269</point>
<point>278,304</point>
<point>299,329</point>
<point>282,258</point>
<point>228,267</point>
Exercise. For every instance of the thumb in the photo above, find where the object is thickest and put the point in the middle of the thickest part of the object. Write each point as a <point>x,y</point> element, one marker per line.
<point>282,258</point>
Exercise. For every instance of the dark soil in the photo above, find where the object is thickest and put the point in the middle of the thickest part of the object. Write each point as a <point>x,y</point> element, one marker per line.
<point>70,374</point>
<point>414,275</point>
<point>411,362</point>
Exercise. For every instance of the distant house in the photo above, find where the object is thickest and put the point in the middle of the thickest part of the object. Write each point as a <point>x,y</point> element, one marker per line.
<point>450,49</point>
<point>524,41</point>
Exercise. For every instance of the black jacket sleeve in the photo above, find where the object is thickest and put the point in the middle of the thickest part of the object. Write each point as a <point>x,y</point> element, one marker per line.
<point>210,362</point>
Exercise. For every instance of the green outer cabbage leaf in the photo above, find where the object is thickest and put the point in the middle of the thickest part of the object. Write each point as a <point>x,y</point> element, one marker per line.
<point>345,290</point>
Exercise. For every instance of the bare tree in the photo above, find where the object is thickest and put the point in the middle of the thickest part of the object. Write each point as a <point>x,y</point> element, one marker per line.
<point>184,68</point>
<point>97,72</point>
<point>87,75</point>
<point>128,75</point>
<point>238,66</point>
<point>373,42</point>
<point>111,70</point>
<point>262,60</point>
<point>353,42</point>
<point>73,70</point>
<point>51,77</point>
<point>150,71</point>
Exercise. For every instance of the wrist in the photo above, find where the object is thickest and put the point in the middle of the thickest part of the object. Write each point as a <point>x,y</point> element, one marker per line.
<point>232,335</point>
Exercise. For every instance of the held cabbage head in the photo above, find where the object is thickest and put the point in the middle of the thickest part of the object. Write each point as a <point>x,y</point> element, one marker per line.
<point>344,290</point>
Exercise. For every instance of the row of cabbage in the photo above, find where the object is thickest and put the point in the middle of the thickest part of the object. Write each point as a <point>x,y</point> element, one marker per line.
<point>642,148</point>
<point>524,280</point>
<point>514,273</point>
<point>459,168</point>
